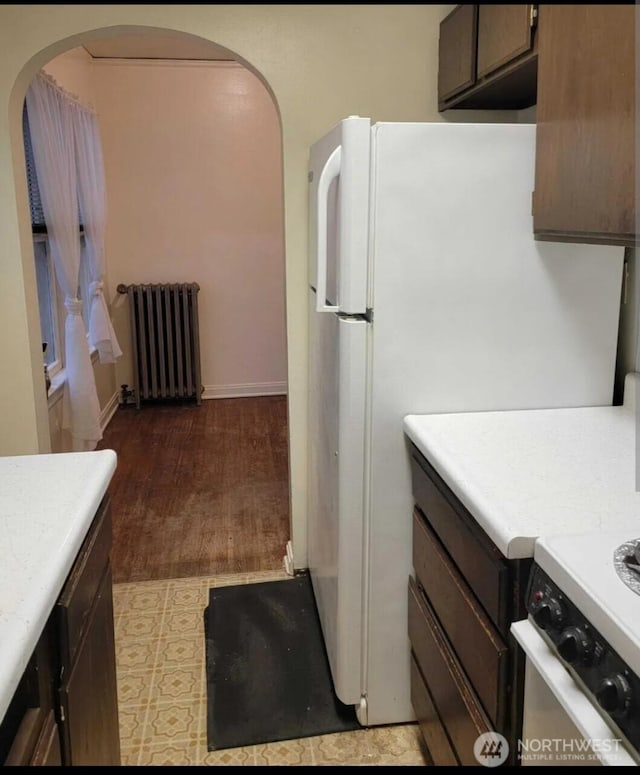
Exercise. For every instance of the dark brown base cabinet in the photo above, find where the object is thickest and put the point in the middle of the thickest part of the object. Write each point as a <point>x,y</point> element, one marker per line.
<point>65,710</point>
<point>467,672</point>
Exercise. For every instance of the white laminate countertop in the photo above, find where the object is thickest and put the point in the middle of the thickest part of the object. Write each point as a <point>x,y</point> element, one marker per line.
<point>537,472</point>
<point>47,504</point>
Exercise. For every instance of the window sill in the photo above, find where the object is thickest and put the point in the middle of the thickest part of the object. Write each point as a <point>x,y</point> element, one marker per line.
<point>58,381</point>
<point>57,386</point>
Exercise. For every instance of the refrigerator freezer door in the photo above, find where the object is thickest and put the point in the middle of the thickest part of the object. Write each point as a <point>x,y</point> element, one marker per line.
<point>339,217</point>
<point>338,349</point>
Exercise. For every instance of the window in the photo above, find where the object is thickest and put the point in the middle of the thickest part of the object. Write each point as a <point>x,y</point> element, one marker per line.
<point>50,301</point>
<point>49,304</point>
<point>48,295</point>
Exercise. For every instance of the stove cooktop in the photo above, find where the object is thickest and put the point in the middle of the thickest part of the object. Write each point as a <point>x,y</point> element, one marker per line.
<point>626,560</point>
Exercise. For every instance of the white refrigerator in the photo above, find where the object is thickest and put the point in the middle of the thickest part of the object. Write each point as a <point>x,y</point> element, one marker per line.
<point>428,293</point>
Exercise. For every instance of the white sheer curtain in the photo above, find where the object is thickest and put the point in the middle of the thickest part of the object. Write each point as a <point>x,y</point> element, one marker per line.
<point>52,136</point>
<point>91,196</point>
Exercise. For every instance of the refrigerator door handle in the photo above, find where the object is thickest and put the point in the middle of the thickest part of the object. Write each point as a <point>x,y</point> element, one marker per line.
<point>329,173</point>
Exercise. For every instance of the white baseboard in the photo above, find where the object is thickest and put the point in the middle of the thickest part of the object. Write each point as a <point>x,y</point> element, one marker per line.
<point>239,391</point>
<point>109,410</point>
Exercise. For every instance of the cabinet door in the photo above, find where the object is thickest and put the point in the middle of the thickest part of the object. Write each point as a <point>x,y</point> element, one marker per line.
<point>79,592</point>
<point>88,695</point>
<point>47,753</point>
<point>504,33</point>
<point>585,139</point>
<point>457,51</point>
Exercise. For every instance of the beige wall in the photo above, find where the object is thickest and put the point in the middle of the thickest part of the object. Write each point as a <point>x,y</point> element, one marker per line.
<point>193,167</point>
<point>321,62</point>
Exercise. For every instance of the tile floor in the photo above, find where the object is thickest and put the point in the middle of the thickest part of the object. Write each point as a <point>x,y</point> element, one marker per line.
<point>162,688</point>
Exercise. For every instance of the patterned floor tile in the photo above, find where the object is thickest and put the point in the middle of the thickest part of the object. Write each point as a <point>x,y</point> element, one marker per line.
<point>178,683</point>
<point>172,754</point>
<point>140,624</point>
<point>230,757</point>
<point>143,597</point>
<point>172,723</point>
<point>132,719</point>
<point>185,622</point>
<point>267,575</point>
<point>129,757</point>
<point>134,687</point>
<point>133,654</point>
<point>398,744</point>
<point>187,594</point>
<point>160,658</point>
<point>180,651</point>
<point>228,580</point>
<point>373,746</point>
<point>287,752</point>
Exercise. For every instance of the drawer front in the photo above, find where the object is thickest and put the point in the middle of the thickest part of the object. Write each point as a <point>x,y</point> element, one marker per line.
<point>483,655</point>
<point>435,737</point>
<point>75,602</point>
<point>477,559</point>
<point>460,713</point>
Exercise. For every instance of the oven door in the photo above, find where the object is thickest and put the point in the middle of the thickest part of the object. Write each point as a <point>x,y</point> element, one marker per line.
<point>561,725</point>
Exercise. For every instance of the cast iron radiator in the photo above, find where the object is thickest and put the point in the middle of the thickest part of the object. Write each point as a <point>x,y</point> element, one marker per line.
<point>165,341</point>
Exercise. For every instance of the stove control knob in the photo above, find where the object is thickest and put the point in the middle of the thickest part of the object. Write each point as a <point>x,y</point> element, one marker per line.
<point>549,614</point>
<point>614,694</point>
<point>575,646</point>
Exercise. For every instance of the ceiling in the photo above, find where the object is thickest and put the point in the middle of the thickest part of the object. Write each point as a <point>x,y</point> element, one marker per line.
<point>156,47</point>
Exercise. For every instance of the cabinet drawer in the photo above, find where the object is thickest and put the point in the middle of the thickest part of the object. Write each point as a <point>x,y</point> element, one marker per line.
<point>455,702</point>
<point>475,556</point>
<point>75,602</point>
<point>432,730</point>
<point>481,652</point>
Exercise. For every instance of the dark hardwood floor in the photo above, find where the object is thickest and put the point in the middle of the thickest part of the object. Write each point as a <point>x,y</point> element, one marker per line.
<point>199,490</point>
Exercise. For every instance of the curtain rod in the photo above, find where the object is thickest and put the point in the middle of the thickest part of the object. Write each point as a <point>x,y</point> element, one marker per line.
<point>73,98</point>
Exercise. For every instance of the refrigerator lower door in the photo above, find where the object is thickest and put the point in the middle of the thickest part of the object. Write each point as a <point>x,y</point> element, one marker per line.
<point>337,398</point>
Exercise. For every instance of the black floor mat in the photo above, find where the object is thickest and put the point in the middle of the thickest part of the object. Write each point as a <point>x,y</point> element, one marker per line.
<point>268,676</point>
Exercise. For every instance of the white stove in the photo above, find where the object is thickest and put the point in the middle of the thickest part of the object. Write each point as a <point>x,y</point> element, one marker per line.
<point>583,602</point>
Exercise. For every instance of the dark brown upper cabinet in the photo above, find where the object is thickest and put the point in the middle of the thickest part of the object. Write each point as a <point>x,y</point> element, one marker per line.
<point>585,136</point>
<point>488,57</point>
<point>504,33</point>
<point>457,51</point>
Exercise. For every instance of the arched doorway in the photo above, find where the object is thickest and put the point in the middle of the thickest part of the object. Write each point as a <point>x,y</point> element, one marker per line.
<point>174,164</point>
